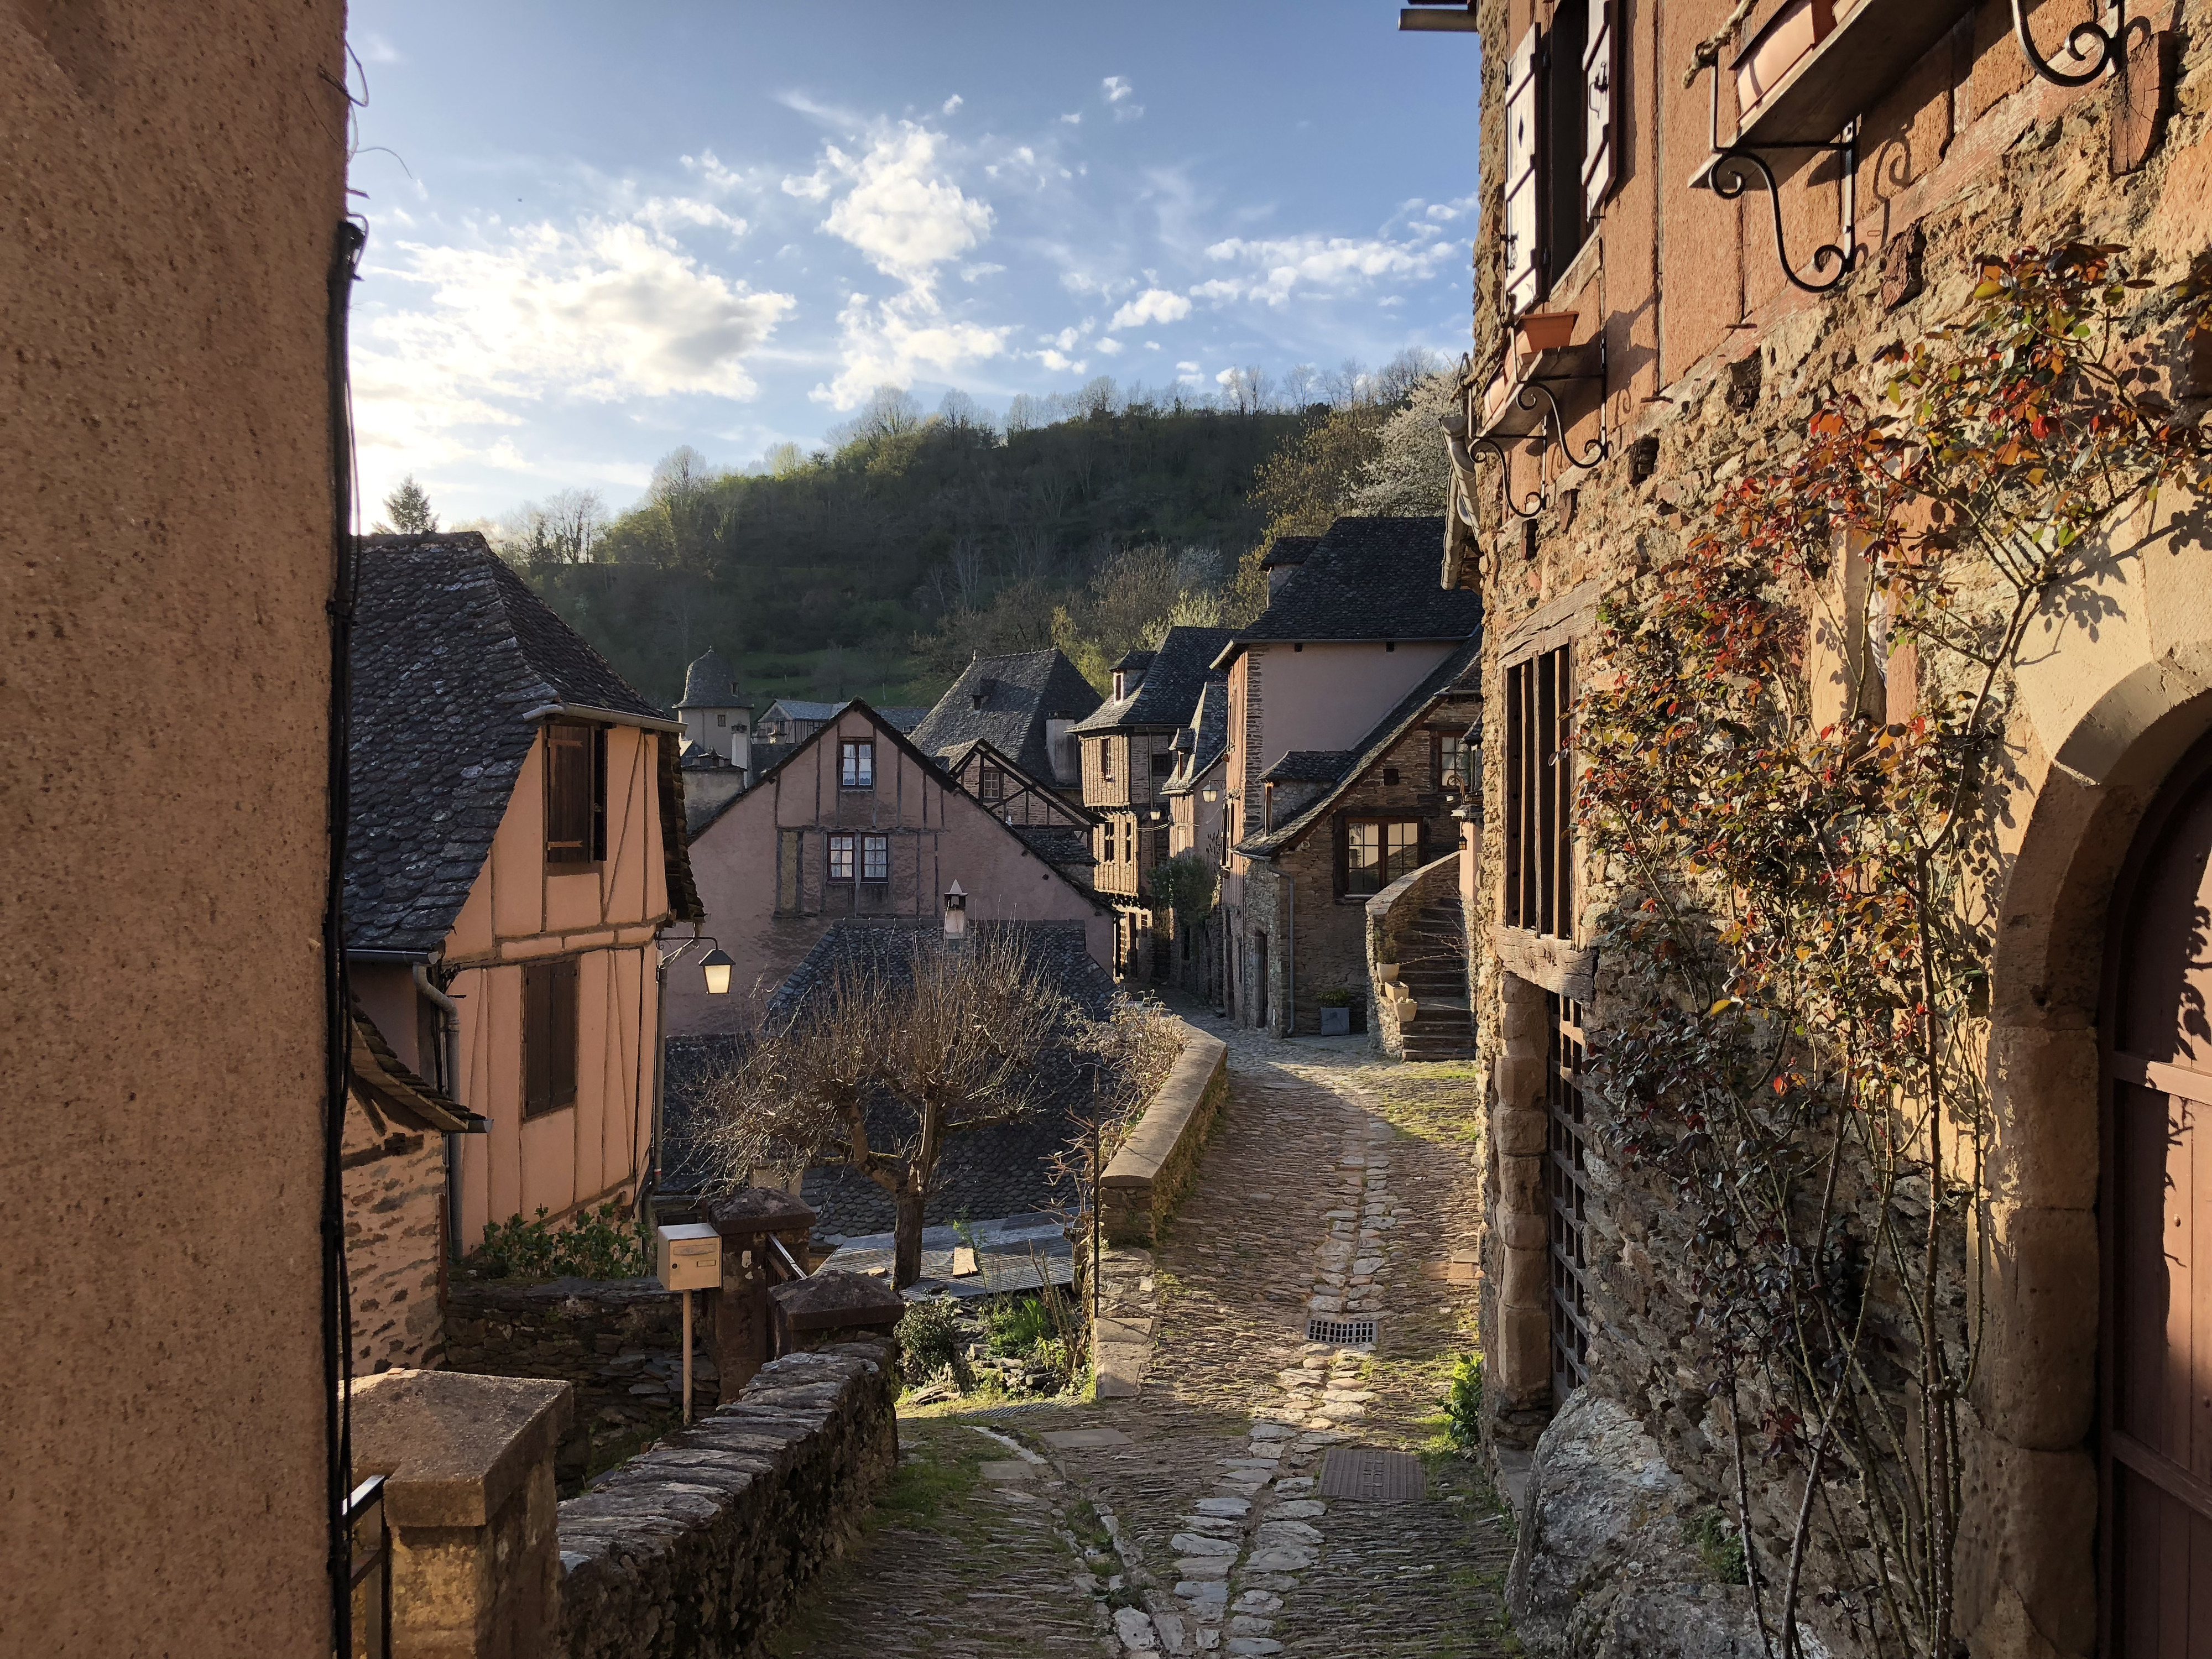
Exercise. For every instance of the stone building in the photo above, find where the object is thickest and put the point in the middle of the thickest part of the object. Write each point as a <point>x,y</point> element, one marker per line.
<point>1197,816</point>
<point>1640,337</point>
<point>1127,749</point>
<point>858,824</point>
<point>1352,639</point>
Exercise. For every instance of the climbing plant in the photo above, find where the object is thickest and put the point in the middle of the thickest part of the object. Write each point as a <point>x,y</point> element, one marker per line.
<point>1795,737</point>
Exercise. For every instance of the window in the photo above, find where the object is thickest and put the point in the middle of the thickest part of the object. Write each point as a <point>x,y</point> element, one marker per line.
<point>1448,762</point>
<point>1106,842</point>
<point>1377,852</point>
<point>841,855</point>
<point>1389,776</point>
<point>1106,757</point>
<point>1560,102</point>
<point>722,719</point>
<point>549,1037</point>
<point>575,792</point>
<point>1566,1180</point>
<point>856,765</point>
<point>1539,794</point>
<point>991,784</point>
<point>1163,762</point>
<point>875,858</point>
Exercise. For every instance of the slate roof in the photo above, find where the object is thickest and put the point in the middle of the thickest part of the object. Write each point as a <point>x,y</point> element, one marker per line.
<point>905,718</point>
<point>887,947</point>
<point>1310,766</point>
<point>710,683</point>
<point>1019,695</point>
<point>450,652</point>
<point>1459,672</point>
<point>1289,550</point>
<point>1207,736</point>
<point>1168,692</point>
<point>1367,578</point>
<point>792,708</point>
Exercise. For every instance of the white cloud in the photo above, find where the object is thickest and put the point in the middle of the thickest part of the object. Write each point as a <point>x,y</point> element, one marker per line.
<point>1151,345</point>
<point>375,49</point>
<point>1060,365</point>
<point>664,213</point>
<point>901,210</point>
<point>1108,345</point>
<point>1120,98</point>
<point>1117,88</point>
<point>975,273</point>
<point>1154,305</point>
<point>1074,119</point>
<point>1225,377</point>
<point>1185,369</point>
<point>889,343</point>
<point>605,311</point>
<point>950,103</point>
<point>712,173</point>
<point>1066,339</point>
<point>1217,288</point>
<point>1335,264</point>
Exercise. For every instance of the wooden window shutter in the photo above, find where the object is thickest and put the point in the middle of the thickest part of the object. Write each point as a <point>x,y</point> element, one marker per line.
<point>1343,860</point>
<point>599,793</point>
<point>570,832</point>
<point>564,1032</point>
<point>1602,104</point>
<point>1524,215</point>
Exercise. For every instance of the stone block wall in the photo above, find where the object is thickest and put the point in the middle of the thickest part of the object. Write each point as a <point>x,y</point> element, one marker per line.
<point>701,1545</point>
<point>1394,915</point>
<point>1153,1169</point>
<point>618,1340</point>
<point>395,1224</point>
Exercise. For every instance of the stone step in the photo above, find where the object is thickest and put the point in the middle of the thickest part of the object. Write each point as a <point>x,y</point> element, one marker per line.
<point>1440,1048</point>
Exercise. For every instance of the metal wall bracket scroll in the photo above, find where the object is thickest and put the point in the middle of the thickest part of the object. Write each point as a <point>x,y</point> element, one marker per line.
<point>2081,41</point>
<point>1728,173</point>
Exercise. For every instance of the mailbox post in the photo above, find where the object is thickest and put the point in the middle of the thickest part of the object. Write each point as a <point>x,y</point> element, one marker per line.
<point>765,1234</point>
<point>690,1259</point>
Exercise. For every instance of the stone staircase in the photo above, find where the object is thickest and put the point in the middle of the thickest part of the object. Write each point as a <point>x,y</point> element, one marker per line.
<point>1432,967</point>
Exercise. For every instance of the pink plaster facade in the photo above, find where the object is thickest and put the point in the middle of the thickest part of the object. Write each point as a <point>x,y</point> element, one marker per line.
<point>764,876</point>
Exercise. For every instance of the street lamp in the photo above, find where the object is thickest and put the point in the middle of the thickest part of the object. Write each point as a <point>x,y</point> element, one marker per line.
<point>716,964</point>
<point>956,915</point>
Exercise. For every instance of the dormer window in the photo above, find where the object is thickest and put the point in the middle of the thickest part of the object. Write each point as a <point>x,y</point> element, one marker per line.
<point>982,694</point>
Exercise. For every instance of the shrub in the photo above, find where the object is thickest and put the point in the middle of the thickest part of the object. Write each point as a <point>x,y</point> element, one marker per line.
<point>929,1338</point>
<point>607,1243</point>
<point>1463,1404</point>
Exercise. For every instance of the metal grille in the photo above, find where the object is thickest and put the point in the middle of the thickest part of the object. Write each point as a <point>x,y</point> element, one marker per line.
<point>1362,1472</point>
<point>1344,1333</point>
<point>1539,770</point>
<point>1567,1176</point>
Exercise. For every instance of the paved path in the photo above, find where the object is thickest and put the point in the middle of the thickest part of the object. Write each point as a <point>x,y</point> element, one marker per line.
<point>1337,1185</point>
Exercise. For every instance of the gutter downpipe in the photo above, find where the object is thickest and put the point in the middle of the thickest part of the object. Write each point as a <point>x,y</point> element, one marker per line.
<point>449,1033</point>
<point>647,1188</point>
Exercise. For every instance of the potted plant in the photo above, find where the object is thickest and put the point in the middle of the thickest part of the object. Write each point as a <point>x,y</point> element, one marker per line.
<point>1544,330</point>
<point>1336,1012</point>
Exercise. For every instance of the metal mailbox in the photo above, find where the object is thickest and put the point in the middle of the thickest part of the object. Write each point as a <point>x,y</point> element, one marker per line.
<point>689,1257</point>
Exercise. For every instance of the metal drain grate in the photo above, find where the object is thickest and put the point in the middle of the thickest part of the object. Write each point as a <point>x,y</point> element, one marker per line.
<point>1383,1476</point>
<point>1345,1332</point>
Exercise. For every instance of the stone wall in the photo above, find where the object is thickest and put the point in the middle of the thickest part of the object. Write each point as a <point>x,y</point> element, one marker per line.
<point>395,1221</point>
<point>1146,1178</point>
<point>618,1340</point>
<point>701,1545</point>
<point>1394,916</point>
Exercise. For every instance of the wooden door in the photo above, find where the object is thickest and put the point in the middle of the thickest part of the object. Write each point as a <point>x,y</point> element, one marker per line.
<point>2155,1431</point>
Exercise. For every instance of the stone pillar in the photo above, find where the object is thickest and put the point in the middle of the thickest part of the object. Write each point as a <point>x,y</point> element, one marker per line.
<point>744,1335</point>
<point>829,1308</point>
<point>469,1501</point>
<point>1520,1136</point>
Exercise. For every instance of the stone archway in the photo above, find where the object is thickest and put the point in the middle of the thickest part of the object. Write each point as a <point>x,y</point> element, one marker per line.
<point>2119,690</point>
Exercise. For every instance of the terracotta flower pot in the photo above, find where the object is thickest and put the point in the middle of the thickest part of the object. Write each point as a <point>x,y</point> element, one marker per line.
<point>1545,331</point>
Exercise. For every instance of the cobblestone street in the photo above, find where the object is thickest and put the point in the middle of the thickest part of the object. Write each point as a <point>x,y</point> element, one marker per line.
<point>1206,1514</point>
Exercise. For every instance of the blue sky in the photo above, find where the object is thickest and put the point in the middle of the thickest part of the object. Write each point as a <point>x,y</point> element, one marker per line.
<point>599,232</point>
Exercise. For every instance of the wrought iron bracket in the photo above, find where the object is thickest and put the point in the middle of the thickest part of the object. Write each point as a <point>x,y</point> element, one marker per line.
<point>2081,41</point>
<point>1534,388</point>
<point>1726,172</point>
<point>1730,181</point>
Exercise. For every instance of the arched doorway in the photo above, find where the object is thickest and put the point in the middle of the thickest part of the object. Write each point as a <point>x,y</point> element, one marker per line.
<point>2154,1416</point>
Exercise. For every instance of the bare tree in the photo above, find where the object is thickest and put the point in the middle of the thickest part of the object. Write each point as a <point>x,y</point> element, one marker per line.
<point>886,1062</point>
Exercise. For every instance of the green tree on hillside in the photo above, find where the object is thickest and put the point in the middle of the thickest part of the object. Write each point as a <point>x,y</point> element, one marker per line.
<point>407,511</point>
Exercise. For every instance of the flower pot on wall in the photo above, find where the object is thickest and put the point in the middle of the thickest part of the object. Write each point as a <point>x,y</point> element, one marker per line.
<point>1796,30</point>
<point>1540,332</point>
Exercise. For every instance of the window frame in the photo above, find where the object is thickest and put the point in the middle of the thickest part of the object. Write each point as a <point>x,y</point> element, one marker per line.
<point>849,850</point>
<point>551,1036</point>
<point>1106,760</point>
<point>875,854</point>
<point>1383,823</point>
<point>1538,895</point>
<point>856,763</point>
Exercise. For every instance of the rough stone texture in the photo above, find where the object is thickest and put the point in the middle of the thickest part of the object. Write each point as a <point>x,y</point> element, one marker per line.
<point>1603,1567</point>
<point>620,1341</point>
<point>1149,1174</point>
<point>699,1547</point>
<point>395,1211</point>
<point>469,1500</point>
<point>173,176</point>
